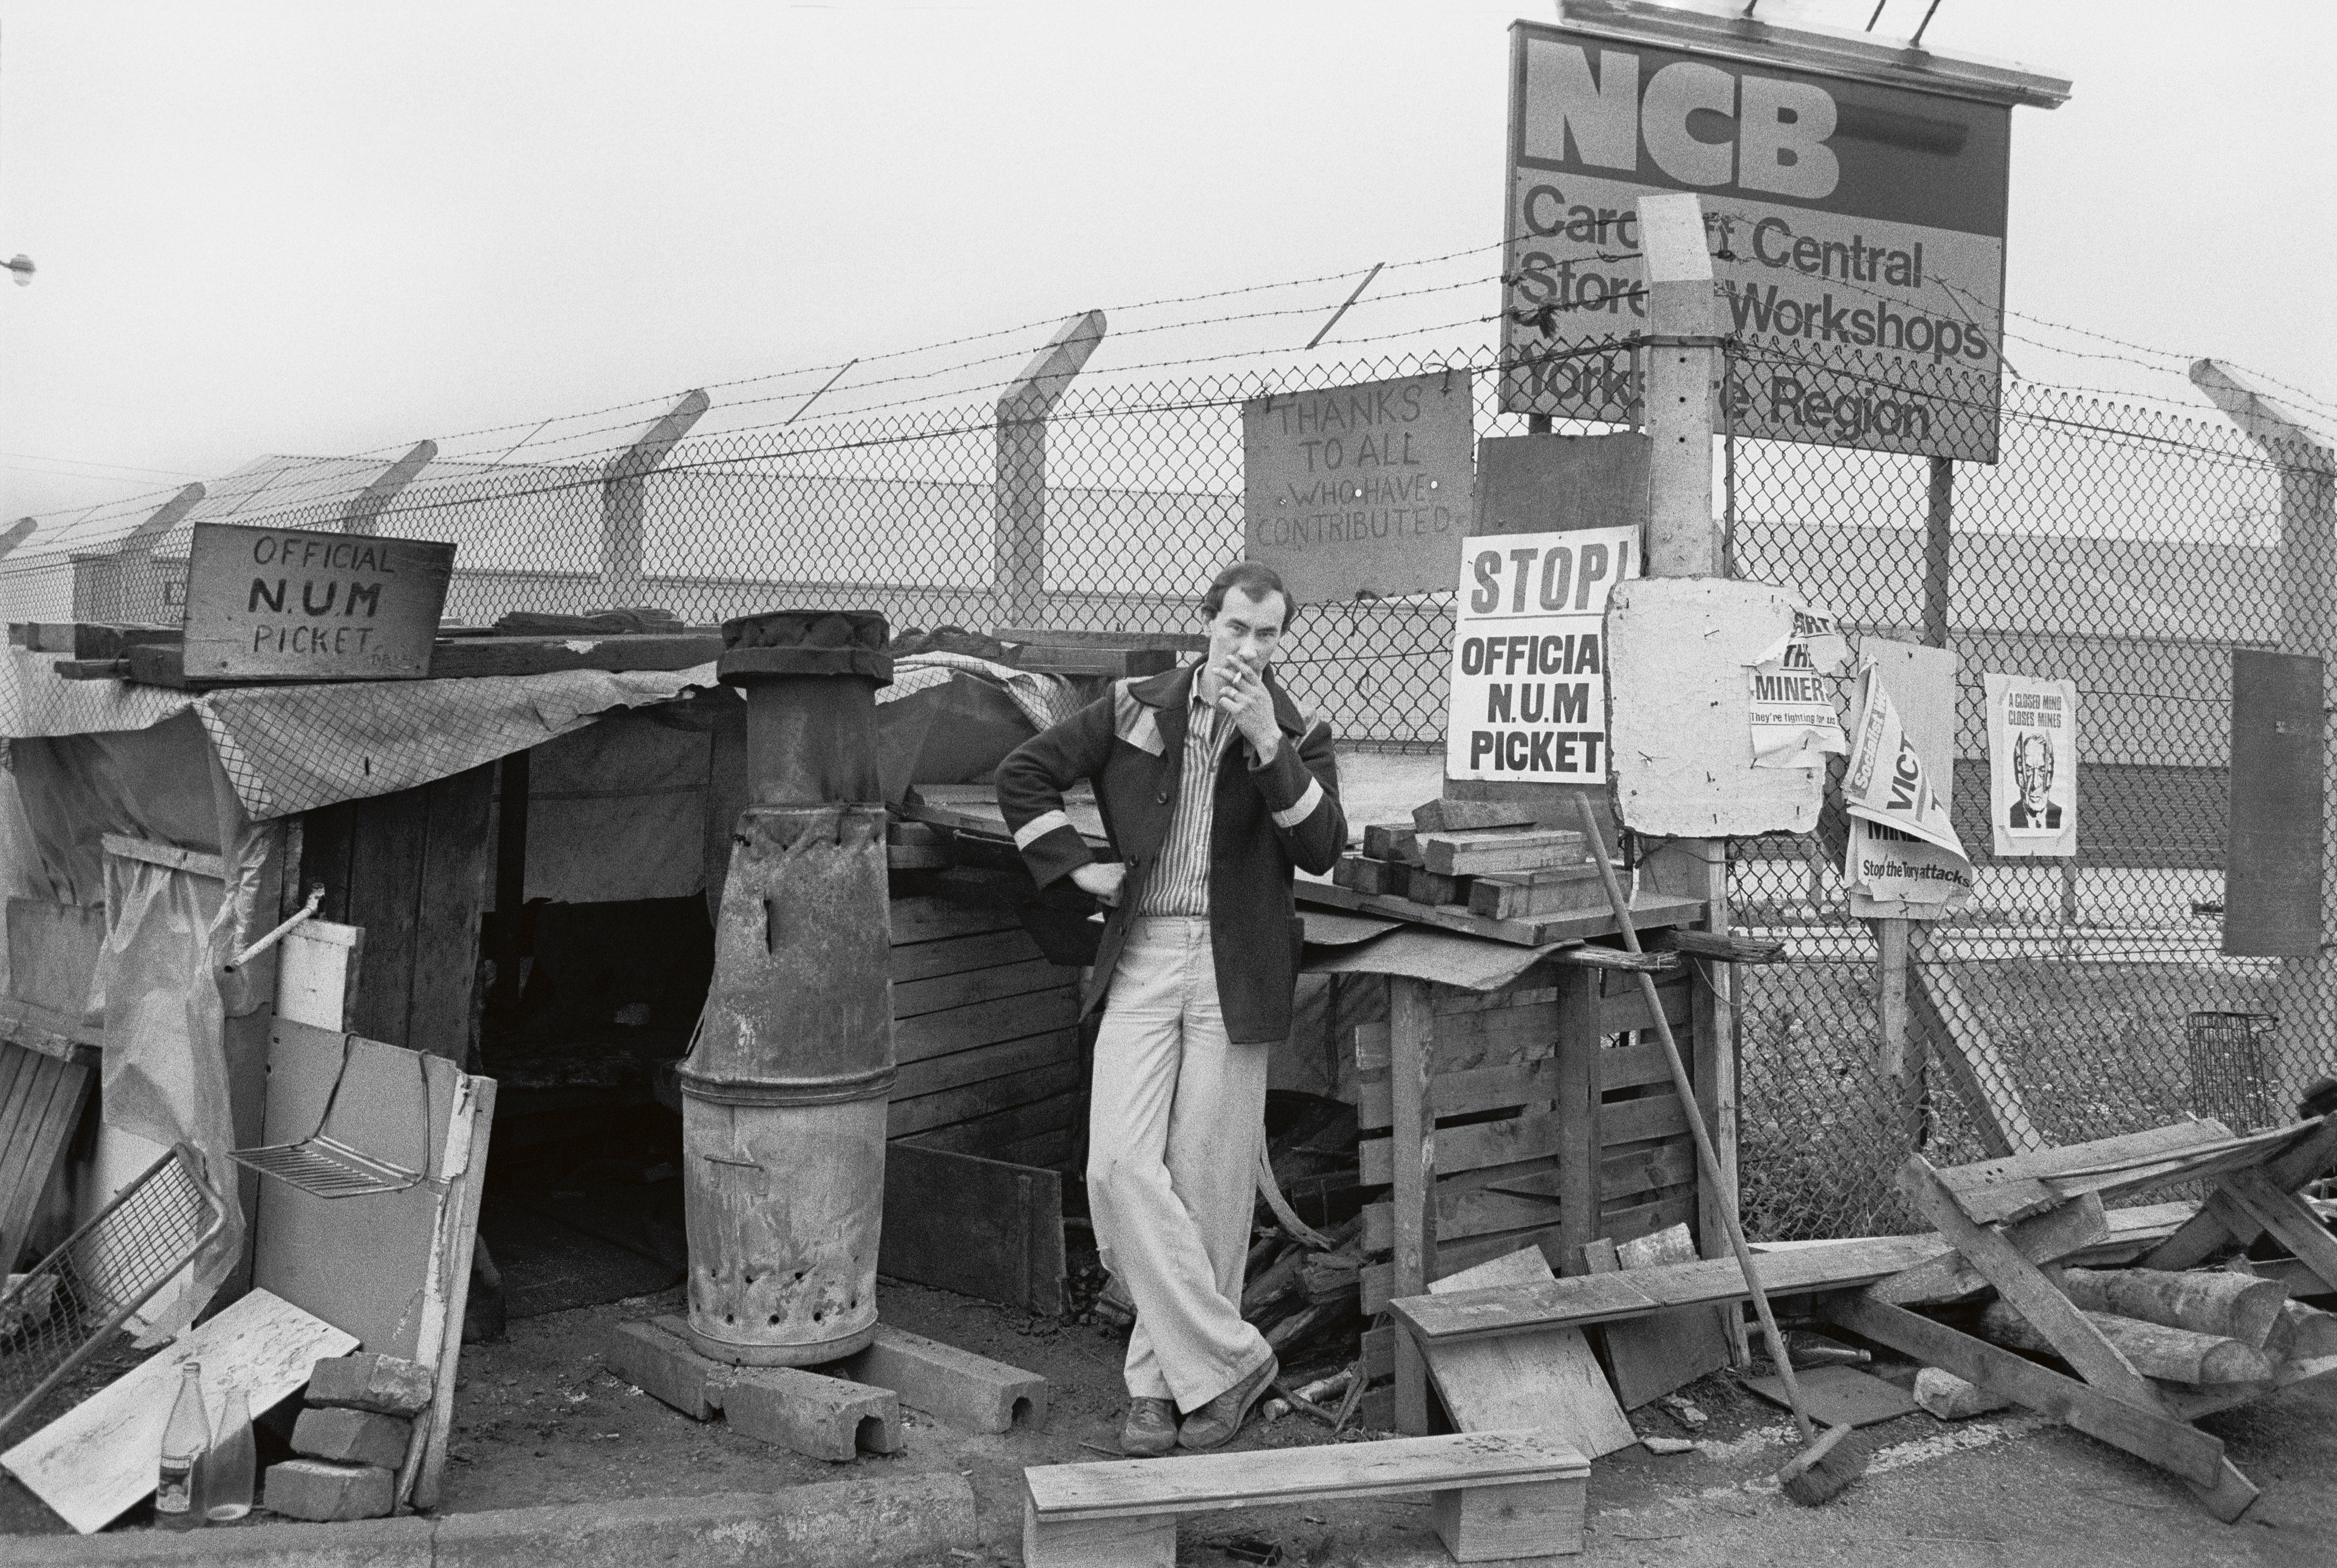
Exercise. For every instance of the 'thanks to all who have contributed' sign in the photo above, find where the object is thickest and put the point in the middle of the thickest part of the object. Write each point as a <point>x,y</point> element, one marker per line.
<point>1529,674</point>
<point>1857,227</point>
<point>1360,487</point>
<point>287,604</point>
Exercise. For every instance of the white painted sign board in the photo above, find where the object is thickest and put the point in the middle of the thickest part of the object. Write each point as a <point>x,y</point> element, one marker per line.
<point>292,604</point>
<point>1356,489</point>
<point>1681,650</point>
<point>1529,673</point>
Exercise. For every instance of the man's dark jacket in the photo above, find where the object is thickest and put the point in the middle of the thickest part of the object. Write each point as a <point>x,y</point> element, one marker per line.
<point>1132,744</point>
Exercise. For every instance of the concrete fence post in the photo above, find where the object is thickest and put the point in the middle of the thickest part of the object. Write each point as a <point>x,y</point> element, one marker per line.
<point>363,513</point>
<point>136,592</point>
<point>624,499</point>
<point>1019,489</point>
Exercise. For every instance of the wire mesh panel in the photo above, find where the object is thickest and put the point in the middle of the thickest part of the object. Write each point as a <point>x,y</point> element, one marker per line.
<point>2126,548</point>
<point>61,1311</point>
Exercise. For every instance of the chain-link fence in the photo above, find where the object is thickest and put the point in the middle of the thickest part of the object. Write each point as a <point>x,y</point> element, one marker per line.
<point>2126,548</point>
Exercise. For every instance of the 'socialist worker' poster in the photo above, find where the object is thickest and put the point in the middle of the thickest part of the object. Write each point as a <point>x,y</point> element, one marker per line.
<point>1903,849</point>
<point>2032,764</point>
<point>1529,674</point>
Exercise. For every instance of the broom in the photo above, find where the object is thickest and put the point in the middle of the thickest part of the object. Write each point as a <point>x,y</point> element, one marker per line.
<point>1826,1465</point>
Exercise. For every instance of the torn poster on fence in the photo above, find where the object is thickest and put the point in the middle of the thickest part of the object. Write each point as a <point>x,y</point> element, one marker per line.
<point>2032,764</point>
<point>1902,875</point>
<point>1885,783</point>
<point>1791,713</point>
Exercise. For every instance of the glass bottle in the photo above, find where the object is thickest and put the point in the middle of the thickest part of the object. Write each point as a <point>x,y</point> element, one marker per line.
<point>184,1439</point>
<point>224,1479</point>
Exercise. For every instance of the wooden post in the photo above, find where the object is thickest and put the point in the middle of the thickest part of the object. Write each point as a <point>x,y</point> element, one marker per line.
<point>1939,535</point>
<point>624,500</point>
<point>137,589</point>
<point>1411,1028</point>
<point>363,514</point>
<point>2308,600</point>
<point>19,533</point>
<point>1019,489</point>
<point>1683,409</point>
<point>1581,1139</point>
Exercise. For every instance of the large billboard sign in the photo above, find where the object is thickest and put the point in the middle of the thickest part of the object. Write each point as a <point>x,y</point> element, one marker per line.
<point>1854,205</point>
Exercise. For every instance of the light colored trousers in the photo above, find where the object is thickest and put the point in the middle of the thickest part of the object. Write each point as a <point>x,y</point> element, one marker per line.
<point>1173,1120</point>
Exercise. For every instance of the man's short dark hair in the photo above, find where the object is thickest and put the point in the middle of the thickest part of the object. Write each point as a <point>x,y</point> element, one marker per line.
<point>1252,578</point>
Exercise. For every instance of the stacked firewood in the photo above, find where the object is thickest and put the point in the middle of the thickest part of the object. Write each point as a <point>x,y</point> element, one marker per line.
<point>1484,857</point>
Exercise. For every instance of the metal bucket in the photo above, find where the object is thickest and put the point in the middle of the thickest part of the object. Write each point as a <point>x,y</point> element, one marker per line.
<point>784,1093</point>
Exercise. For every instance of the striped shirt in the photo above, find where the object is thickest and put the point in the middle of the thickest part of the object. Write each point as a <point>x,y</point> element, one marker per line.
<point>1178,882</point>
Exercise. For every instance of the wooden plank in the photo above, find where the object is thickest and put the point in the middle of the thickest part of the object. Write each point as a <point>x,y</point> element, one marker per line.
<point>2272,867</point>
<point>1116,663</point>
<point>1435,889</point>
<point>2009,1188</point>
<point>981,1227</point>
<point>932,1074</point>
<point>1198,1482</point>
<point>2041,1239</point>
<point>1529,895</point>
<point>49,1034</point>
<point>1635,1121</point>
<point>1628,1009</point>
<point>98,1458</point>
<point>1578,1115</point>
<point>1058,636</point>
<point>451,896</point>
<point>1449,816</point>
<point>1468,853</point>
<point>1462,1214</point>
<point>1649,1356</point>
<point>1602,1298</point>
<point>1392,842</point>
<point>2284,1214</point>
<point>389,835</point>
<point>1639,1215</point>
<point>1365,875</point>
<point>1476,1039</point>
<point>984,1023</point>
<point>1005,1129</point>
<point>957,955</point>
<point>1412,1160</point>
<point>2205,1232</point>
<point>1633,1066</point>
<point>1463,1094</point>
<point>2075,1338</point>
<point>1550,1379</point>
<point>2165,1441</point>
<point>1004,1092</point>
<point>934,994</point>
<point>1472,1147</point>
<point>1647,910</point>
<point>52,1094</point>
<point>1837,1396</point>
<point>930,918</point>
<point>169,857</point>
<point>447,1291</point>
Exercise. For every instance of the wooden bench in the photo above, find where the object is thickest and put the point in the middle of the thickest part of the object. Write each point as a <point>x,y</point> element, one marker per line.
<point>1497,1495</point>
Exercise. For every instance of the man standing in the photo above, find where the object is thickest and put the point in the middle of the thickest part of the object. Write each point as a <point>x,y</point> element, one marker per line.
<point>1212,785</point>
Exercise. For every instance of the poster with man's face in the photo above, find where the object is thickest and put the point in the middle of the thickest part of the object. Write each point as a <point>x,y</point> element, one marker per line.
<point>2032,743</point>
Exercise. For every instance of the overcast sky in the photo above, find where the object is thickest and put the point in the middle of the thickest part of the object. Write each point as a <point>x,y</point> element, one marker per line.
<point>327,229</point>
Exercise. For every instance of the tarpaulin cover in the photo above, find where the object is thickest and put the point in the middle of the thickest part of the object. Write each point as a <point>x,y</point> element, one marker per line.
<point>291,748</point>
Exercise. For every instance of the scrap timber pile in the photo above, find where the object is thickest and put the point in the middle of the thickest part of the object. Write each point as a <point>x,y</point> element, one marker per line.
<point>1482,857</point>
<point>2128,1323</point>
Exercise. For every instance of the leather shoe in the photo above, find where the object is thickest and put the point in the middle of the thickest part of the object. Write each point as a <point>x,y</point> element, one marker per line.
<point>1214,1424</point>
<point>1152,1429</point>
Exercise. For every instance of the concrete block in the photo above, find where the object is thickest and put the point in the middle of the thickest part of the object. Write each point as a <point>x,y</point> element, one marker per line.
<point>962,1389</point>
<point>390,1385</point>
<point>353,1437</point>
<point>328,1493</point>
<point>1950,1398</point>
<point>825,1417</point>
<point>658,1360</point>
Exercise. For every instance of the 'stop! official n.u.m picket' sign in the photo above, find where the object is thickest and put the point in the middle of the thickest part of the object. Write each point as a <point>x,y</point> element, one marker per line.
<point>1855,201</point>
